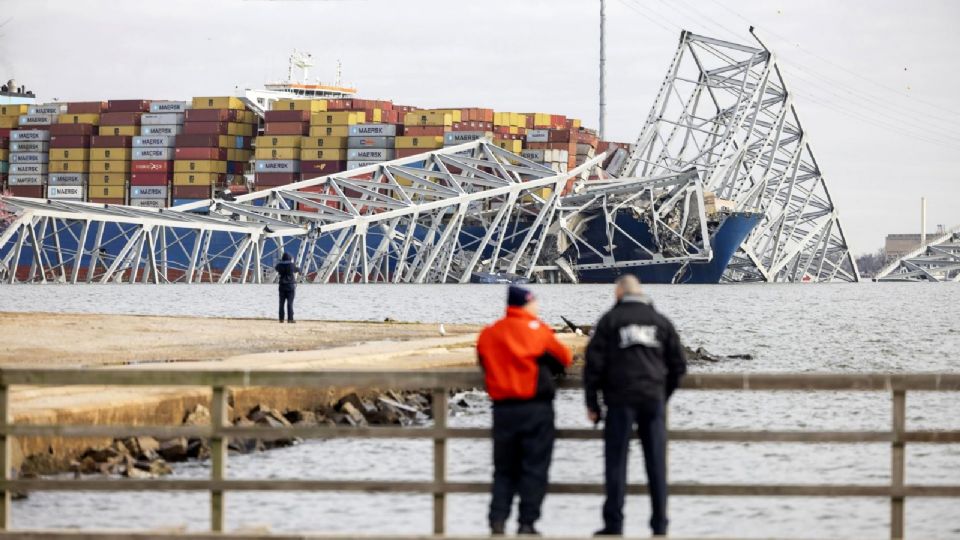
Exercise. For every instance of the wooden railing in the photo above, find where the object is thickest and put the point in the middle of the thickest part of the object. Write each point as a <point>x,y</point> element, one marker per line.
<point>440,382</point>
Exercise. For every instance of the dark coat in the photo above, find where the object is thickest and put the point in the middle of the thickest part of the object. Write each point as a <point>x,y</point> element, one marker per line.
<point>287,271</point>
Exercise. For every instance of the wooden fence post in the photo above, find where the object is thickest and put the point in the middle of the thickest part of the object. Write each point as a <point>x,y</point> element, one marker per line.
<point>439,460</point>
<point>5,457</point>
<point>897,471</point>
<point>218,456</point>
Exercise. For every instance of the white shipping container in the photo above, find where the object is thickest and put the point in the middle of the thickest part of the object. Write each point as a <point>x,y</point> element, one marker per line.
<point>161,119</point>
<point>370,142</point>
<point>278,165</point>
<point>30,135</point>
<point>533,155</point>
<point>169,106</point>
<point>29,157</point>
<point>454,138</point>
<point>29,147</point>
<point>538,135</point>
<point>37,119</point>
<point>149,203</point>
<point>151,154</point>
<point>370,154</point>
<point>148,192</point>
<point>53,109</point>
<point>161,130</point>
<point>154,141</point>
<point>67,179</point>
<point>351,165</point>
<point>25,179</point>
<point>28,168</point>
<point>65,192</point>
<point>373,130</point>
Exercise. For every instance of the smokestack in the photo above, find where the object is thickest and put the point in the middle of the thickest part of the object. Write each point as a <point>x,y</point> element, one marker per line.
<point>923,222</point>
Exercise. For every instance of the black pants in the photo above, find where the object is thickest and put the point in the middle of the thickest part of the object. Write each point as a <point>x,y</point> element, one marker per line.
<point>286,296</point>
<point>651,427</point>
<point>523,435</point>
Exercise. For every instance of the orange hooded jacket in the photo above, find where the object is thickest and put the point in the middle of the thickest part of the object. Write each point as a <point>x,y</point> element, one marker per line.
<point>518,353</point>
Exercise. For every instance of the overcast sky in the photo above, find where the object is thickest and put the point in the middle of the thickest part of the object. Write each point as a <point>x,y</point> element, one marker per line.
<point>875,81</point>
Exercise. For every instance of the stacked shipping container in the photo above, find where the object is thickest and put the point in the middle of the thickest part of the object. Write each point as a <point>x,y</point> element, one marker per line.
<point>9,119</point>
<point>278,151</point>
<point>70,150</point>
<point>151,167</point>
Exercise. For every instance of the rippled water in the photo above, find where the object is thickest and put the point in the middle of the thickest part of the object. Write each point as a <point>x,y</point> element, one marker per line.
<point>851,328</point>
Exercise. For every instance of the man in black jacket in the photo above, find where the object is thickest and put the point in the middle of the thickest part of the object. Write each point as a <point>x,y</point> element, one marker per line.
<point>635,360</point>
<point>288,285</point>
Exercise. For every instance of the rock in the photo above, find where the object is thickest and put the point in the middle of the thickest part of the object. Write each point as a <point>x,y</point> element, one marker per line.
<point>386,415</point>
<point>301,418</point>
<point>157,467</point>
<point>199,416</point>
<point>352,415</point>
<point>245,446</point>
<point>44,463</point>
<point>102,455</point>
<point>87,465</point>
<point>703,355</point>
<point>143,447</point>
<point>134,472</point>
<point>265,416</point>
<point>396,404</point>
<point>198,449</point>
<point>173,450</point>
<point>744,356</point>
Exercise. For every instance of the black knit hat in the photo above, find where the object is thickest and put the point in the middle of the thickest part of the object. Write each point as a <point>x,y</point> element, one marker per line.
<point>518,296</point>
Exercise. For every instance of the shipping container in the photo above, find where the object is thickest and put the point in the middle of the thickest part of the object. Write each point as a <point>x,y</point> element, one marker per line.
<point>424,131</point>
<point>153,141</point>
<point>119,119</point>
<point>148,203</point>
<point>323,154</point>
<point>37,119</point>
<point>198,179</point>
<point>65,192</point>
<point>108,179</point>
<point>162,130</point>
<point>192,192</point>
<point>107,192</point>
<point>370,142</point>
<point>29,135</point>
<point>454,138</point>
<point>287,116</point>
<point>154,154</point>
<point>370,154</point>
<point>108,154</point>
<point>87,107</point>
<point>29,146</point>
<point>35,192</point>
<point>69,141</point>
<point>110,141</point>
<point>72,130</point>
<point>429,118</point>
<point>310,105</point>
<point>15,179</point>
<point>351,165</point>
<point>106,200</point>
<point>193,153</point>
<point>67,179</point>
<point>128,105</point>
<point>28,168</point>
<point>277,153</point>
<point>69,167</point>
<point>266,180</point>
<point>320,168</point>
<point>114,166</point>
<point>169,106</point>
<point>151,166</point>
<point>125,131</point>
<point>161,119</point>
<point>14,110</point>
<point>420,142</point>
<point>289,141</point>
<point>324,142</point>
<point>69,154</point>
<point>200,166</point>
<point>329,131</point>
<point>150,179</point>
<point>284,165</point>
<point>92,119</point>
<point>148,192</point>
<point>217,103</point>
<point>286,128</point>
<point>49,108</point>
<point>7,122</point>
<point>373,130</point>
<point>339,118</point>
<point>29,157</point>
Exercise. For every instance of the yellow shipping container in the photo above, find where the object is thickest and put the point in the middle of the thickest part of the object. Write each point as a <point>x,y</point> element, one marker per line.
<point>329,131</point>
<point>277,153</point>
<point>105,154</point>
<point>195,179</point>
<point>129,131</point>
<point>237,128</point>
<point>107,192</point>
<point>279,141</point>
<point>544,193</point>
<point>312,105</point>
<point>62,166</point>
<point>248,117</point>
<point>69,154</point>
<point>574,122</point>
<point>4,154</point>
<point>79,119</point>
<point>428,118</point>
<point>14,110</point>
<point>338,118</point>
<point>113,166</point>
<point>109,179</point>
<point>200,166</point>
<point>542,120</point>
<point>7,122</point>
<point>509,145</point>
<point>455,114</point>
<point>239,154</point>
<point>324,142</point>
<point>217,103</point>
<point>431,142</point>
<point>327,154</point>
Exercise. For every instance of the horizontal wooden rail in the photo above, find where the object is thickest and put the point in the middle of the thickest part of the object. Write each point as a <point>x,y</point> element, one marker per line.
<point>439,383</point>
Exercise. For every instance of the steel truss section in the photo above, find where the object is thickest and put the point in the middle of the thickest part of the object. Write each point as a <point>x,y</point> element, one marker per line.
<point>938,260</point>
<point>437,217</point>
<point>725,110</point>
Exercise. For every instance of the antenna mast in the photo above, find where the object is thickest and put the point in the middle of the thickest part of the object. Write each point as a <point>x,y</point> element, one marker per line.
<point>603,69</point>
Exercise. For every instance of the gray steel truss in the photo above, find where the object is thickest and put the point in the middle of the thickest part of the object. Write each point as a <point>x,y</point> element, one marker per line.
<point>724,109</point>
<point>938,260</point>
<point>437,217</point>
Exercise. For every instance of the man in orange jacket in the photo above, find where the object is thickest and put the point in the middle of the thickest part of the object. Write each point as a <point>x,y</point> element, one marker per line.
<point>520,355</point>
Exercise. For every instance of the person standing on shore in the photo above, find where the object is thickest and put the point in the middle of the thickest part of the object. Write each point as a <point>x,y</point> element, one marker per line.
<point>520,355</point>
<point>287,272</point>
<point>635,360</point>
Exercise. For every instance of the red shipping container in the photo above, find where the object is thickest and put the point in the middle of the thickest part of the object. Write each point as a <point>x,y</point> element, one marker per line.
<point>150,179</point>
<point>151,166</point>
<point>205,128</point>
<point>320,168</point>
<point>336,104</point>
<point>86,107</point>
<point>286,128</point>
<point>27,191</point>
<point>120,119</point>
<point>101,200</point>
<point>423,131</point>
<point>110,141</point>
<point>209,141</point>
<point>192,192</point>
<point>211,115</point>
<point>275,179</point>
<point>406,152</point>
<point>286,116</point>
<point>5,132</point>
<point>4,143</point>
<point>560,135</point>
<point>69,141</point>
<point>72,129</point>
<point>128,105</point>
<point>190,153</point>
